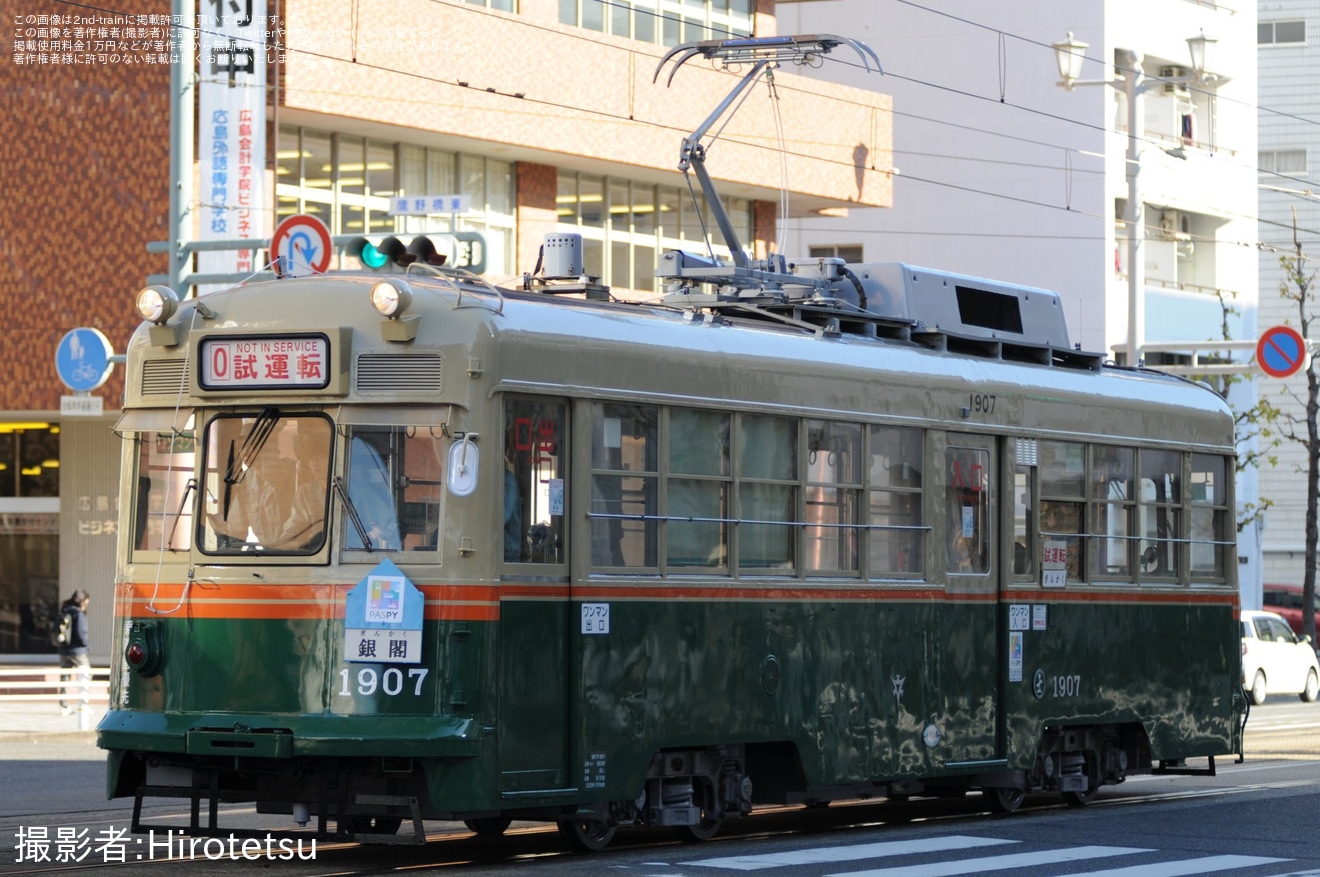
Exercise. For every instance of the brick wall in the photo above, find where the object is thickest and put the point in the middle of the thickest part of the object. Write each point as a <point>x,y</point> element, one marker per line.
<point>84,179</point>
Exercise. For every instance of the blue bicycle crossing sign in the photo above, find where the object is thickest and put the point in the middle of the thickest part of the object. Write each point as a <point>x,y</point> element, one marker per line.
<point>82,359</point>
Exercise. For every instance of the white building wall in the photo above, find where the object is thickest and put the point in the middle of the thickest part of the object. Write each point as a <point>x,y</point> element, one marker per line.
<point>1002,173</point>
<point>1289,103</point>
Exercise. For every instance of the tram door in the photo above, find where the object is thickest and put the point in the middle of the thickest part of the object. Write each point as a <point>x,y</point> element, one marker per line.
<point>970,659</point>
<point>533,647</point>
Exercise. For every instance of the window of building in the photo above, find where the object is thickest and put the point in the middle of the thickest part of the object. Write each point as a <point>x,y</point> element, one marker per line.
<point>668,22</point>
<point>626,225</point>
<point>1291,162</point>
<point>348,181</point>
<point>505,5</point>
<point>850,253</point>
<point>29,459</point>
<point>1274,33</point>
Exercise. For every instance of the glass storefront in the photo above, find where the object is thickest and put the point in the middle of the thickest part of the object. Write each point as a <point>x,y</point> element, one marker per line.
<point>29,535</point>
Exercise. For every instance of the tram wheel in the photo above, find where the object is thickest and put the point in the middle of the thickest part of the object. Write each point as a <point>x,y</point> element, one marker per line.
<point>703,831</point>
<point>1004,799</point>
<point>374,824</point>
<point>1312,690</point>
<point>1081,799</point>
<point>586,835</point>
<point>1257,691</point>
<point>488,826</point>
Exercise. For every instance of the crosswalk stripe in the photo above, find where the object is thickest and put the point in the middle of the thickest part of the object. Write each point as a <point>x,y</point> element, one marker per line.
<point>827,855</point>
<point>1207,865</point>
<point>998,863</point>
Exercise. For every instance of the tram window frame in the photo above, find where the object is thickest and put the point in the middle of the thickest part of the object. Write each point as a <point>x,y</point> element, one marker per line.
<point>767,493</point>
<point>625,486</point>
<point>405,519</point>
<point>895,501</point>
<point>274,470</point>
<point>1061,474</point>
<point>1026,545</point>
<point>833,466</point>
<point>162,499</point>
<point>1208,496</point>
<point>1111,495</point>
<point>968,476</point>
<point>697,482</point>
<point>1160,477</point>
<point>535,463</point>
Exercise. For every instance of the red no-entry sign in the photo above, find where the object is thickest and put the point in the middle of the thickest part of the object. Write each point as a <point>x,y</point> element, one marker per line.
<point>1281,352</point>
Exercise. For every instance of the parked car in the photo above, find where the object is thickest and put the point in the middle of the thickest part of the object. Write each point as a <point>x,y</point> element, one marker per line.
<point>1286,600</point>
<point>1275,660</point>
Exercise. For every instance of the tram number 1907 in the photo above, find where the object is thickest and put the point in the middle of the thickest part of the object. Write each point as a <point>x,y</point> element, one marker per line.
<point>981,403</point>
<point>1066,686</point>
<point>390,683</point>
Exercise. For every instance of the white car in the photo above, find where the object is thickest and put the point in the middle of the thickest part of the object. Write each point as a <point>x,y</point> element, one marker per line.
<point>1275,660</point>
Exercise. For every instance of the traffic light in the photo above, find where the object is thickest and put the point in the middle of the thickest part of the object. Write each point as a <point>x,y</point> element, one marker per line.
<point>391,252</point>
<point>462,249</point>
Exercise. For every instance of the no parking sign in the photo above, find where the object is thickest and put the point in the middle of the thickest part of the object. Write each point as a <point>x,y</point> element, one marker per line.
<point>1281,352</point>
<point>303,242</point>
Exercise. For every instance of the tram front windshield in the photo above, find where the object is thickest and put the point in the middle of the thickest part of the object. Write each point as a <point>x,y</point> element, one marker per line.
<point>266,483</point>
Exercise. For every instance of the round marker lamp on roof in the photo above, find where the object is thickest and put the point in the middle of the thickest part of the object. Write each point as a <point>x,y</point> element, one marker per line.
<point>390,298</point>
<point>156,304</point>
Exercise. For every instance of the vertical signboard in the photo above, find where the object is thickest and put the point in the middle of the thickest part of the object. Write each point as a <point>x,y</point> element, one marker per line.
<point>231,130</point>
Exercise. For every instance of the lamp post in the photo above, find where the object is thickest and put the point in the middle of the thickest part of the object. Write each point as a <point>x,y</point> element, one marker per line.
<point>1133,83</point>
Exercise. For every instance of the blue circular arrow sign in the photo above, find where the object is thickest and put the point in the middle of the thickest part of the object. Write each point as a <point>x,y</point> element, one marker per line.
<point>1281,352</point>
<point>82,359</point>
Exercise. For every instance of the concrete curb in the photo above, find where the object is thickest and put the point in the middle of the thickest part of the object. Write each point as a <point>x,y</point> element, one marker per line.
<point>11,739</point>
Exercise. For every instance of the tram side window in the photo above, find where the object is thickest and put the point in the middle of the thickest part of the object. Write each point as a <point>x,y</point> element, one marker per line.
<point>1209,515</point>
<point>162,520</point>
<point>265,485</point>
<point>1024,506</point>
<point>394,480</point>
<point>1112,476</point>
<point>968,510</point>
<point>535,444</point>
<point>698,490</point>
<point>767,493</point>
<point>1062,468</point>
<point>833,496</point>
<point>624,485</point>
<point>1159,513</point>
<point>895,544</point>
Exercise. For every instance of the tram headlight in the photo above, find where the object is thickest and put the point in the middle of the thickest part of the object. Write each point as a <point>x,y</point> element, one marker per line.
<point>390,298</point>
<point>156,304</point>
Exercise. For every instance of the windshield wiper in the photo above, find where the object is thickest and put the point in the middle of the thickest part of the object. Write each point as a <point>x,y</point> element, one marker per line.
<point>178,513</point>
<point>338,485</point>
<point>239,463</point>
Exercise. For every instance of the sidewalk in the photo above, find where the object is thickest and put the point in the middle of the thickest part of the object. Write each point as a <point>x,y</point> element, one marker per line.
<point>42,721</point>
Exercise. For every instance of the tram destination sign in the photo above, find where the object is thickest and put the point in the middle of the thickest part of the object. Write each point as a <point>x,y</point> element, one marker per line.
<point>265,362</point>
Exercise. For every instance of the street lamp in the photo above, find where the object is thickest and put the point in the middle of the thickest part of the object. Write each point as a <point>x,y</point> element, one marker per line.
<point>1070,53</point>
